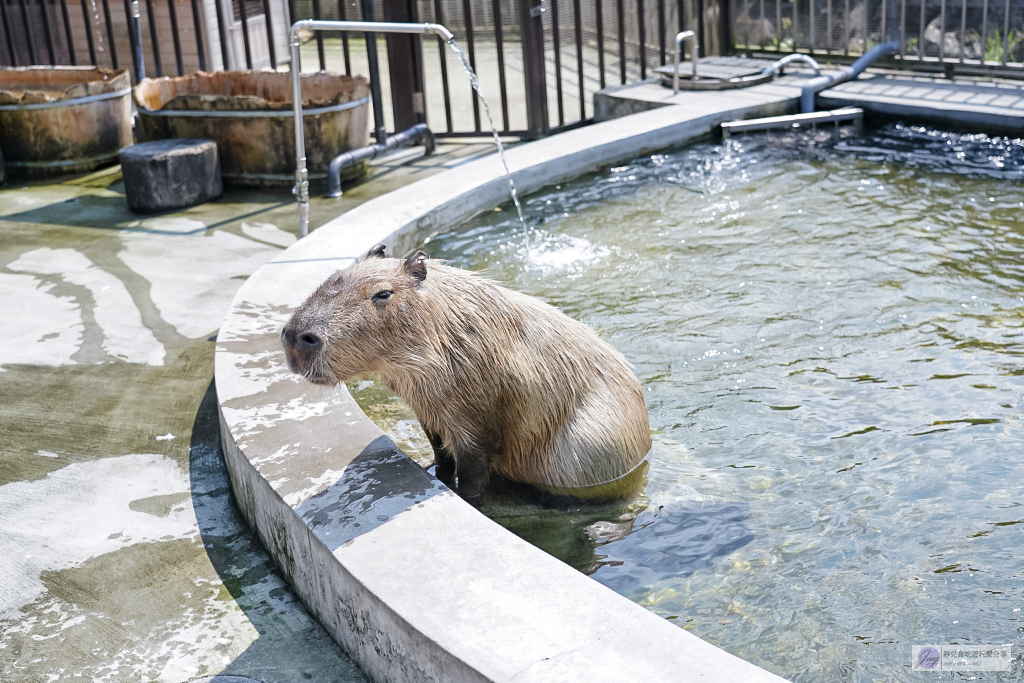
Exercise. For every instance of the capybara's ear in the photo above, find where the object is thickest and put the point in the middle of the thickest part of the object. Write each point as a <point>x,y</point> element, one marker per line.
<point>376,252</point>
<point>416,265</point>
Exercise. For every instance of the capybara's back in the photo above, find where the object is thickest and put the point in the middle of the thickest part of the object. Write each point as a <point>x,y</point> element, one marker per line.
<point>498,379</point>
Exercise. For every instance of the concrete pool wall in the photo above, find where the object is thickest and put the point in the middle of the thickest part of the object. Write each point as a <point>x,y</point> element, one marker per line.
<point>415,584</point>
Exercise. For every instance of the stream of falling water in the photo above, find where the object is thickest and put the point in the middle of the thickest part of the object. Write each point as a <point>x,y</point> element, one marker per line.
<point>494,132</point>
<point>96,24</point>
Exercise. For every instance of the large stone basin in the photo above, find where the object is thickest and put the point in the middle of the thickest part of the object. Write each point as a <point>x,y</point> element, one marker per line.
<point>63,119</point>
<point>249,115</point>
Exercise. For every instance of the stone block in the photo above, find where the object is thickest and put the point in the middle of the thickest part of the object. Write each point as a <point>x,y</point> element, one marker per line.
<point>170,174</point>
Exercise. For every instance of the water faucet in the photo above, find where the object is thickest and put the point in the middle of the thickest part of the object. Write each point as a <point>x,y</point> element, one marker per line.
<point>301,190</point>
<point>680,37</point>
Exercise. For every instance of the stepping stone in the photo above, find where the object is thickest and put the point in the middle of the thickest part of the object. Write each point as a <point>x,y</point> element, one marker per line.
<point>170,174</point>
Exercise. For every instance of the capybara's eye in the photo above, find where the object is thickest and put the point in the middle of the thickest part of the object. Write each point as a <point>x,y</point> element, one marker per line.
<point>382,295</point>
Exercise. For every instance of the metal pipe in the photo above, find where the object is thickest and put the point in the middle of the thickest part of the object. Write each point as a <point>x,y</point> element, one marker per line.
<point>847,73</point>
<point>301,173</point>
<point>680,37</point>
<point>788,59</point>
<point>410,136</point>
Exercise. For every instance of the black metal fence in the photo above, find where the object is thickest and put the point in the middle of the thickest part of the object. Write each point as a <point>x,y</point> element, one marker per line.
<point>539,61</point>
<point>958,35</point>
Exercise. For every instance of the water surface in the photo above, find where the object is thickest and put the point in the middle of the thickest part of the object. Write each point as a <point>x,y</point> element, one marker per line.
<point>828,327</point>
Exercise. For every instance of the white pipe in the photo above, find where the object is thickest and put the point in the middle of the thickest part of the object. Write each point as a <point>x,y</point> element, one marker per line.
<point>301,173</point>
<point>680,37</point>
<point>788,59</point>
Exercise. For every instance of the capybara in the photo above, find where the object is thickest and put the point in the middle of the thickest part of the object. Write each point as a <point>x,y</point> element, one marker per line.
<point>498,379</point>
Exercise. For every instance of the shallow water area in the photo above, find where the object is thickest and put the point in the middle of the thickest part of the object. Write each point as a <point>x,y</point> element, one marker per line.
<point>828,326</point>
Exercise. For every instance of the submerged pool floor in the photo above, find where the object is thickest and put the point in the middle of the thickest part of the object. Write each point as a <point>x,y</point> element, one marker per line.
<point>830,331</point>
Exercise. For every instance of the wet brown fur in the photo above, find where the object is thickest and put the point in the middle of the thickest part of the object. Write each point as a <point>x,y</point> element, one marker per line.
<point>498,379</point>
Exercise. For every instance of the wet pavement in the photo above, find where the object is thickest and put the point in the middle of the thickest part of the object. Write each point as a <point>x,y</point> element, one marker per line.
<point>122,556</point>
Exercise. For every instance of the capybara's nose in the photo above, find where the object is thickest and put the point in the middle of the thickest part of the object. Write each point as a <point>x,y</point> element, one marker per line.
<point>309,341</point>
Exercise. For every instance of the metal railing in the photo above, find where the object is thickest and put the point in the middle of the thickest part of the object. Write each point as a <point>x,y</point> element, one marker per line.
<point>934,35</point>
<point>540,61</point>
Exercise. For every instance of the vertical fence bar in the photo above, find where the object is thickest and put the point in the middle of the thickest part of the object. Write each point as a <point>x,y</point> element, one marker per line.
<point>903,28</point>
<point>778,26</point>
<point>846,28</point>
<point>534,69</point>
<point>963,28</point>
<point>864,44</point>
<point>111,45</point>
<point>380,131</point>
<point>500,45</point>
<point>200,48</point>
<point>702,47</point>
<point>243,9</point>
<point>600,40</point>
<point>579,59</point>
<point>28,33</point>
<point>642,32</point>
<point>828,27</point>
<point>942,30</point>
<point>9,34</point>
<point>920,35</point>
<point>344,38</point>
<point>661,31</point>
<point>796,24</point>
<point>136,49</point>
<point>67,31</point>
<point>442,53</point>
<point>1006,33</point>
<point>222,31</point>
<point>178,61</point>
<point>88,19</point>
<point>557,44</point>
<point>154,38</point>
<point>471,48</point>
<point>760,24</point>
<point>271,50</point>
<point>320,36</point>
<point>622,40</point>
<point>811,41</point>
<point>885,36</point>
<point>48,31</point>
<point>984,29</point>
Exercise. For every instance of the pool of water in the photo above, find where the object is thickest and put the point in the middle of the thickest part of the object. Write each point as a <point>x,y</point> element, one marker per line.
<point>829,327</point>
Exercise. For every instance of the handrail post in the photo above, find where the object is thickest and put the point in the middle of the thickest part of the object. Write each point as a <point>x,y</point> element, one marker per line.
<point>680,37</point>
<point>301,174</point>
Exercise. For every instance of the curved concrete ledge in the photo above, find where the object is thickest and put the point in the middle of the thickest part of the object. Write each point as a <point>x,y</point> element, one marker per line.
<point>411,581</point>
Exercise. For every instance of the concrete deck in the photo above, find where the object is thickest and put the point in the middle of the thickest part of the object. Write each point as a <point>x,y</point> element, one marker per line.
<point>980,105</point>
<point>122,554</point>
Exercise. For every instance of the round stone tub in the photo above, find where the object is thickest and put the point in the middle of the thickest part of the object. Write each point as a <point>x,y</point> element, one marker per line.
<point>249,115</point>
<point>63,119</point>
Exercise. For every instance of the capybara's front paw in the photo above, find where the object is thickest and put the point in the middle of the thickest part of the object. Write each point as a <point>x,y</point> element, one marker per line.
<point>474,500</point>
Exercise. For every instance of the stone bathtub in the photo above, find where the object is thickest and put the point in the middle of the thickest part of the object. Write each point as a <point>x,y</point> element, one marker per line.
<point>63,119</point>
<point>249,115</point>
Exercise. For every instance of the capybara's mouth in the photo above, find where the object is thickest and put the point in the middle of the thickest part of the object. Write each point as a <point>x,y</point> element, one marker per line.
<point>320,379</point>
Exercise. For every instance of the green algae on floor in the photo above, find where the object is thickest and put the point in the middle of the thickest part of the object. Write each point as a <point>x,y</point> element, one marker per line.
<point>122,557</point>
